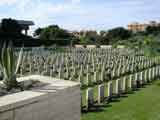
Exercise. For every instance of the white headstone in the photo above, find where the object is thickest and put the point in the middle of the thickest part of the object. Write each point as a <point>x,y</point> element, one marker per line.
<point>89,97</point>
<point>100,93</point>
<point>110,89</point>
<point>124,84</point>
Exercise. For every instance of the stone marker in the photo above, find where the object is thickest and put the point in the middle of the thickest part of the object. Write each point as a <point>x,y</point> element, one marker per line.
<point>150,75</point>
<point>89,97</point>
<point>100,93</point>
<point>118,87</point>
<point>95,77</point>
<point>145,76</point>
<point>141,78</point>
<point>110,89</point>
<point>130,82</point>
<point>124,84</point>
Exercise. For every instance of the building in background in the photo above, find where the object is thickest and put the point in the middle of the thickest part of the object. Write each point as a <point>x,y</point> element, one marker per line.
<point>140,27</point>
<point>25,25</point>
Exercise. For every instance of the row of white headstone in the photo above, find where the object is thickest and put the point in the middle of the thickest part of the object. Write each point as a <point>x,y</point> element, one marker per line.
<point>43,67</point>
<point>120,86</point>
<point>93,66</point>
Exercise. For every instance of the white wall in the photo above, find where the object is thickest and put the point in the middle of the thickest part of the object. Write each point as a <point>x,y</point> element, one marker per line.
<point>58,101</point>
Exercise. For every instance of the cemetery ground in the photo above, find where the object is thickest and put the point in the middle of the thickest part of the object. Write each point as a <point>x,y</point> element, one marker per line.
<point>143,104</point>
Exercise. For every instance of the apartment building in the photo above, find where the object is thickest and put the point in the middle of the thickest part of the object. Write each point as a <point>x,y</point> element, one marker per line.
<point>139,27</point>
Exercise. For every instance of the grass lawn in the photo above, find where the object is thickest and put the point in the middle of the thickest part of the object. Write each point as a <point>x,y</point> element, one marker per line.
<point>143,104</point>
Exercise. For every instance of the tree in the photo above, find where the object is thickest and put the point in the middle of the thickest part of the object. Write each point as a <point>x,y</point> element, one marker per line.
<point>10,30</point>
<point>104,38</point>
<point>38,31</point>
<point>10,27</point>
<point>83,40</point>
<point>152,30</point>
<point>117,34</point>
<point>151,45</point>
<point>92,37</point>
<point>53,34</point>
<point>103,33</point>
<point>88,37</point>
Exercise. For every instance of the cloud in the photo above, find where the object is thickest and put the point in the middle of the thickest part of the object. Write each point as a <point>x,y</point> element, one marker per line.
<point>75,1</point>
<point>42,9</point>
<point>42,12</point>
<point>8,2</point>
<point>81,14</point>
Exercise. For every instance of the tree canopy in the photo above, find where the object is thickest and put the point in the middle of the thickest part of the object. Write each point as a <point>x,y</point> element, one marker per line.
<point>53,34</point>
<point>10,28</point>
<point>152,30</point>
<point>117,34</point>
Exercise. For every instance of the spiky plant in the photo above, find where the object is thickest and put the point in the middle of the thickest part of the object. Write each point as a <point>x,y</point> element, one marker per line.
<point>9,65</point>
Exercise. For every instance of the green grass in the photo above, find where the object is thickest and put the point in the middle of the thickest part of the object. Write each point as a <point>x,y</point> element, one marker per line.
<point>140,105</point>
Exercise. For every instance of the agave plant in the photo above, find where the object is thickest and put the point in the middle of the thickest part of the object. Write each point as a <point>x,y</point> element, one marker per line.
<point>9,65</point>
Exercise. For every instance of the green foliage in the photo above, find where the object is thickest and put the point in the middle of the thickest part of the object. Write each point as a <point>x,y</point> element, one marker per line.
<point>83,40</point>
<point>140,41</point>
<point>37,32</point>
<point>152,30</point>
<point>105,37</point>
<point>9,65</point>
<point>104,40</point>
<point>53,34</point>
<point>92,37</point>
<point>10,27</point>
<point>117,34</point>
<point>151,46</point>
<point>10,30</point>
<point>88,37</point>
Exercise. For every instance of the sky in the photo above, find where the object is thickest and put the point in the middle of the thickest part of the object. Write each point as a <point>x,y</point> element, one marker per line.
<point>81,14</point>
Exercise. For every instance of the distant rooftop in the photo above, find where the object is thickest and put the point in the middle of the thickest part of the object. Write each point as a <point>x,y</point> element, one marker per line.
<point>146,23</point>
<point>24,22</point>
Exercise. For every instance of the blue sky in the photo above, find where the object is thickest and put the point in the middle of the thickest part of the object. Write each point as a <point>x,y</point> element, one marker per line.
<point>81,14</point>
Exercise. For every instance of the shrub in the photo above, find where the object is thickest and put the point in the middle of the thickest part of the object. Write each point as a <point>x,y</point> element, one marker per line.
<point>9,65</point>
